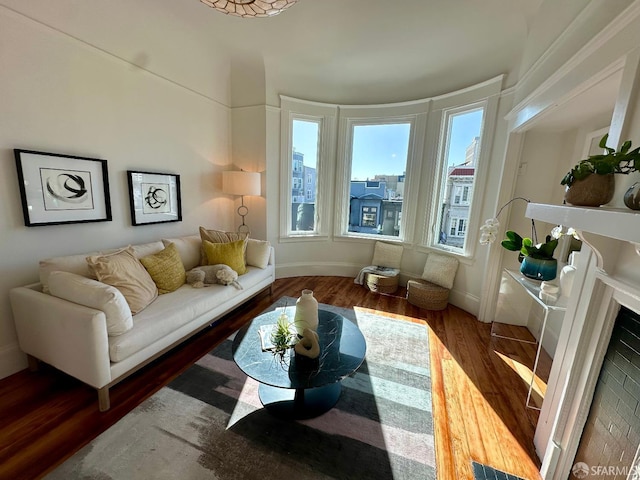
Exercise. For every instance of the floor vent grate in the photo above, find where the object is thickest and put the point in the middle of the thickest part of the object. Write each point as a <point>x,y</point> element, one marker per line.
<point>484,472</point>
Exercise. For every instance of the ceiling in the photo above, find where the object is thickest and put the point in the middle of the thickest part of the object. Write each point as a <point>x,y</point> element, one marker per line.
<point>342,51</point>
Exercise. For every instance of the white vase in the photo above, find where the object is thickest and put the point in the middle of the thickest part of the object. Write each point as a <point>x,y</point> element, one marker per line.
<point>306,315</point>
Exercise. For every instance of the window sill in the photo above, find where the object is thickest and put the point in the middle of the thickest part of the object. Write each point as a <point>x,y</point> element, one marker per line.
<point>462,258</point>
<point>304,238</point>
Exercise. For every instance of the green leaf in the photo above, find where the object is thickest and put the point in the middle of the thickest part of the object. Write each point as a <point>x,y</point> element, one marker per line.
<point>625,146</point>
<point>603,141</point>
<point>509,245</point>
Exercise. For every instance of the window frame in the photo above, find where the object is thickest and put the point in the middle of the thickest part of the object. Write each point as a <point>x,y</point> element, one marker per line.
<point>415,114</point>
<point>325,116</point>
<point>441,123</point>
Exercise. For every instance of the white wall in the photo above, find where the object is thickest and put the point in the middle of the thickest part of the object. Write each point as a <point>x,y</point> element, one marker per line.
<point>61,95</point>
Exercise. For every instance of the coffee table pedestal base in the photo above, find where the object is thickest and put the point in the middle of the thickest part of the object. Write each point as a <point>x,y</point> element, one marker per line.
<point>300,403</point>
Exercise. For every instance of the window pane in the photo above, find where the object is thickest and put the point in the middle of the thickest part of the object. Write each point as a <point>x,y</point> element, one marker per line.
<point>378,166</point>
<point>463,149</point>
<point>304,160</point>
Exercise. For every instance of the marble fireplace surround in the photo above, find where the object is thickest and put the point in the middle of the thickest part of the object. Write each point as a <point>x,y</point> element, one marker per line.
<point>607,276</point>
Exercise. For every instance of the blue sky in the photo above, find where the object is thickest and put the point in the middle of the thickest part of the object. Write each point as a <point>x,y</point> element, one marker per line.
<point>381,149</point>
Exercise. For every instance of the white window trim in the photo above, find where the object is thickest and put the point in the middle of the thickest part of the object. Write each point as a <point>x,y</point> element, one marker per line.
<point>486,97</point>
<point>325,115</point>
<point>414,113</point>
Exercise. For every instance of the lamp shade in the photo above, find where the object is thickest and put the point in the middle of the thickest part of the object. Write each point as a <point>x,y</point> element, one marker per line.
<point>241,183</point>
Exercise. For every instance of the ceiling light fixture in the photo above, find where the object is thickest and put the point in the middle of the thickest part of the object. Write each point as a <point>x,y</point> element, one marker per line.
<point>250,8</point>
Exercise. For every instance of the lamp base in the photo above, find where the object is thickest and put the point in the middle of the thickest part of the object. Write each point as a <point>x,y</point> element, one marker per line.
<point>243,211</point>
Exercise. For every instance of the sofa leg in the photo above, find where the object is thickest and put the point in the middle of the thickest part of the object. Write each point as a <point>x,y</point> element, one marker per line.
<point>33,363</point>
<point>103,399</point>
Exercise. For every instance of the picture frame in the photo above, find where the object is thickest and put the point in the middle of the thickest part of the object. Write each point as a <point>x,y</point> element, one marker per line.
<point>154,197</point>
<point>58,189</point>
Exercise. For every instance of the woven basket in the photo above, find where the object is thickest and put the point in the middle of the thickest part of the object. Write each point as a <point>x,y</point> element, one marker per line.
<point>381,283</point>
<point>427,295</point>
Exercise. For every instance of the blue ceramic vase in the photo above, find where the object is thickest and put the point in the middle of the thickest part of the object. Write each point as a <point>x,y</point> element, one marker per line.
<point>539,269</point>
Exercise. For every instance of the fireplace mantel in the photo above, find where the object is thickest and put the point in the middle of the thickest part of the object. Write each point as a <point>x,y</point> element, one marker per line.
<point>592,308</point>
<point>621,224</point>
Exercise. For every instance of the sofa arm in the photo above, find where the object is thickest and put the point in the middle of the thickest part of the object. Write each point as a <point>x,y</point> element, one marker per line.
<point>68,336</point>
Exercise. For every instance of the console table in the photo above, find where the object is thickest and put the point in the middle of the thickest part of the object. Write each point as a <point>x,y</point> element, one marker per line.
<point>532,289</point>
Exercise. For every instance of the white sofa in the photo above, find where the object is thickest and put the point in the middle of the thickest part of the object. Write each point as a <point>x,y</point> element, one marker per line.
<point>73,337</point>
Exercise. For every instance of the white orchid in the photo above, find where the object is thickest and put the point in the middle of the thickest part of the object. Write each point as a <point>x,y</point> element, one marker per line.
<point>489,231</point>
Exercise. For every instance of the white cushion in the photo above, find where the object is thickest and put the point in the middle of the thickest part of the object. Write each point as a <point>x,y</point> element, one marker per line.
<point>93,294</point>
<point>188,249</point>
<point>387,255</point>
<point>258,252</point>
<point>440,269</point>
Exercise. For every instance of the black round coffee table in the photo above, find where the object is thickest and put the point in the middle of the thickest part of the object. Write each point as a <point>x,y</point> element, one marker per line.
<point>296,387</point>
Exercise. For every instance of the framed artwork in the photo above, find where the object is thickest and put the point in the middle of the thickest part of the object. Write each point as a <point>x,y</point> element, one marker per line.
<point>154,197</point>
<point>58,189</point>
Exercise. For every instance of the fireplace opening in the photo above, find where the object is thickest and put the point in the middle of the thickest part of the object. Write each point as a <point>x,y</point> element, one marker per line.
<point>609,444</point>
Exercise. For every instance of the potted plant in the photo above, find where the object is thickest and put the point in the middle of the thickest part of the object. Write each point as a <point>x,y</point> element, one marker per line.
<point>282,336</point>
<point>537,259</point>
<point>590,183</point>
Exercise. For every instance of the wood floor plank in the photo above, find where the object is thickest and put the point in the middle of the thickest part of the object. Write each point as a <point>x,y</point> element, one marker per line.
<point>478,396</point>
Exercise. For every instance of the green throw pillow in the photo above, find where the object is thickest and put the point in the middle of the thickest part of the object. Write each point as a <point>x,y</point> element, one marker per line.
<point>166,269</point>
<point>230,253</point>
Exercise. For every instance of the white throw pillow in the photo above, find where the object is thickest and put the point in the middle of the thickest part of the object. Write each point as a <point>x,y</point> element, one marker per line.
<point>188,248</point>
<point>440,269</point>
<point>94,294</point>
<point>258,253</point>
<point>387,255</point>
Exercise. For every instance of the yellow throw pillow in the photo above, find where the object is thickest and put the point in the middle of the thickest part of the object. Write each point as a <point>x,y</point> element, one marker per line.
<point>166,269</point>
<point>218,236</point>
<point>230,253</point>
<point>124,271</point>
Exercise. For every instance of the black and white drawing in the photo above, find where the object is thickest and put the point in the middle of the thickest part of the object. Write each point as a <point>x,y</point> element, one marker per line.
<point>57,189</point>
<point>154,197</point>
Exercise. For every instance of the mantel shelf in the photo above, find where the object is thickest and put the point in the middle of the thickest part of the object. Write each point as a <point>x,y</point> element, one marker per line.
<point>618,223</point>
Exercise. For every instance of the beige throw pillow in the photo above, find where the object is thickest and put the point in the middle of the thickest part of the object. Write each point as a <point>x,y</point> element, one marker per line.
<point>91,293</point>
<point>387,255</point>
<point>218,236</point>
<point>440,269</point>
<point>124,271</point>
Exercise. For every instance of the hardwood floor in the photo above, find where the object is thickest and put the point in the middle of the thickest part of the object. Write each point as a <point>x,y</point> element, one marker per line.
<point>479,387</point>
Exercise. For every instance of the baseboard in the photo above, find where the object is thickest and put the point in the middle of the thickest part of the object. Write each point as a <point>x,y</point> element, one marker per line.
<point>465,301</point>
<point>12,360</point>
<point>313,269</point>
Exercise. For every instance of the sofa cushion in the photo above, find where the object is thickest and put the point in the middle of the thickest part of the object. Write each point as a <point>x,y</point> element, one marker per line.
<point>258,253</point>
<point>125,272</point>
<point>189,248</point>
<point>168,313</point>
<point>94,294</point>
<point>218,236</point>
<point>70,263</point>
<point>230,253</point>
<point>78,263</point>
<point>166,269</point>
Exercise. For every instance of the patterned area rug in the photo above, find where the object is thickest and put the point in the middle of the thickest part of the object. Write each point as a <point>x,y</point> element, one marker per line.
<point>209,423</point>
